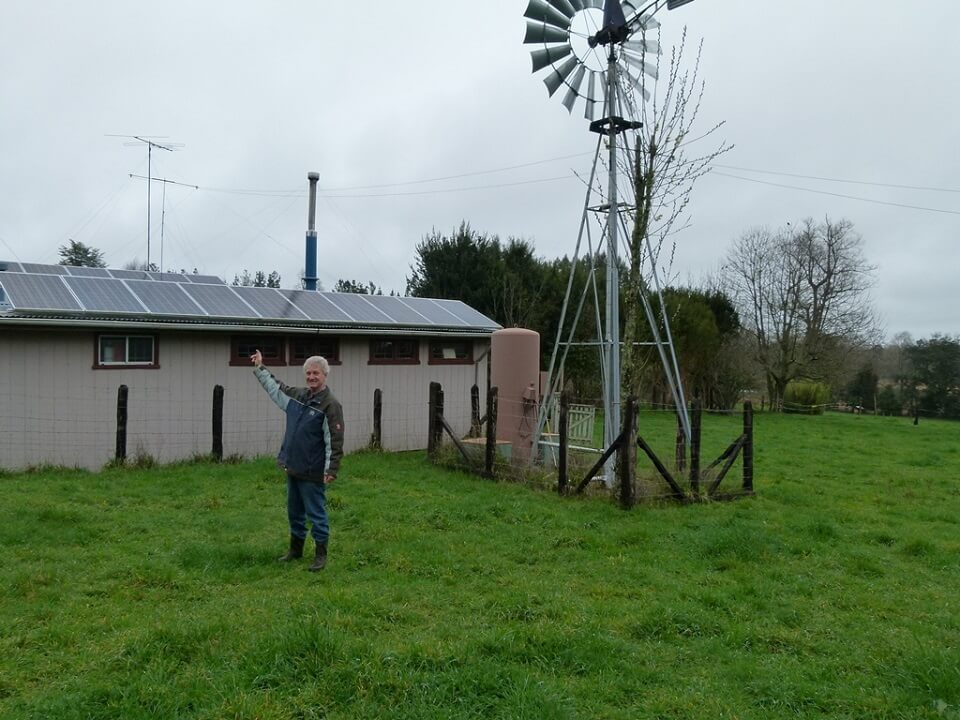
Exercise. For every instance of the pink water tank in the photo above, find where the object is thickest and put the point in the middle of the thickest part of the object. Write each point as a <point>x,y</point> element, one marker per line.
<point>515,372</point>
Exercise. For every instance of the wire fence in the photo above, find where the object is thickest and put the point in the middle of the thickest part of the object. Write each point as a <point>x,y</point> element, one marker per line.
<point>77,426</point>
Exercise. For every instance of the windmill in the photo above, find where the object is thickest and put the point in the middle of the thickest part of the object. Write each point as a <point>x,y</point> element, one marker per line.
<point>595,52</point>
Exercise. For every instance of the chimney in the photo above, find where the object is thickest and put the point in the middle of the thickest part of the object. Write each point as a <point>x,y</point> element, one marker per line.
<point>310,263</point>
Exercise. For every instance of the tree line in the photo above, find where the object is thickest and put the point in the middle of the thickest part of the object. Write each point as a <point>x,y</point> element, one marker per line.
<point>788,318</point>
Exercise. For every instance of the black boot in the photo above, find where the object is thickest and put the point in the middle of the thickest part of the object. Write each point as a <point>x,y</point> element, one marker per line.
<point>320,560</point>
<point>296,550</point>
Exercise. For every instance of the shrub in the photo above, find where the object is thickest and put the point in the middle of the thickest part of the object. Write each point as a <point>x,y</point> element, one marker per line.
<point>806,396</point>
<point>887,401</point>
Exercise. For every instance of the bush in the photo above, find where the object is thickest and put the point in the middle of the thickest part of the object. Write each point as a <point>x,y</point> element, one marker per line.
<point>806,396</point>
<point>887,401</point>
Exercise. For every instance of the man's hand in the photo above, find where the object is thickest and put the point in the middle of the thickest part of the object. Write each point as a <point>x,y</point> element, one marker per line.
<point>257,358</point>
<point>327,479</point>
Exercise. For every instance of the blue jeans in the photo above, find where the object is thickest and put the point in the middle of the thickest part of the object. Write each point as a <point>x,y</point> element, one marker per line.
<point>307,501</point>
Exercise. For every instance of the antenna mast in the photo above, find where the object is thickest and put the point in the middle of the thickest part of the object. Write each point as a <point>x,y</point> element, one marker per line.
<point>163,209</point>
<point>151,144</point>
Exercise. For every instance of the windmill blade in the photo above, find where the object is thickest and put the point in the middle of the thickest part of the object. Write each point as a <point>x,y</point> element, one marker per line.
<point>540,10</point>
<point>549,55</point>
<point>640,65</point>
<point>638,86</point>
<point>643,46</point>
<point>554,80</point>
<point>541,33</point>
<point>564,6</point>
<point>577,5</point>
<point>592,4</point>
<point>647,22</point>
<point>591,98</point>
<point>573,88</point>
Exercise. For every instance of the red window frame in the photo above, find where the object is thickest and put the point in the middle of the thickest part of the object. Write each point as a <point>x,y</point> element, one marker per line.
<point>394,351</point>
<point>99,364</point>
<point>462,349</point>
<point>272,347</point>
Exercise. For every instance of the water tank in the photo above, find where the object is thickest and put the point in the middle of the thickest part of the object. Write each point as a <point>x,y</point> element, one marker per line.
<point>515,372</point>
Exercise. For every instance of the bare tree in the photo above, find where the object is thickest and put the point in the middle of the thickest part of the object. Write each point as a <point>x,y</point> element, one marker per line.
<point>663,178</point>
<point>804,295</point>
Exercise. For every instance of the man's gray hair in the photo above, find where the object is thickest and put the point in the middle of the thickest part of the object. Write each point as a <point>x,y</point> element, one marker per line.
<point>317,360</point>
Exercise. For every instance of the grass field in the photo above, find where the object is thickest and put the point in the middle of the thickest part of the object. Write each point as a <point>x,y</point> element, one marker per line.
<point>833,593</point>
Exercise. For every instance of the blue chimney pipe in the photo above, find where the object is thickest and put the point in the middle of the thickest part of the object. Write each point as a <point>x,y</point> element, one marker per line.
<point>310,261</point>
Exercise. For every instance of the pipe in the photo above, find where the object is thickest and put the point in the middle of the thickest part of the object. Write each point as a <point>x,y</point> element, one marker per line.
<point>310,261</point>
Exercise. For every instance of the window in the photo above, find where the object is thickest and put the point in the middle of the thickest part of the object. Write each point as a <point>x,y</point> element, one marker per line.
<point>126,351</point>
<point>451,352</point>
<point>270,346</point>
<point>303,347</point>
<point>394,351</point>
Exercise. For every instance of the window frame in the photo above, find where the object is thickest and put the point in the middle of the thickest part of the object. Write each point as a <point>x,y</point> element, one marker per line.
<point>241,360</point>
<point>152,364</point>
<point>394,360</point>
<point>446,342</point>
<point>331,358</point>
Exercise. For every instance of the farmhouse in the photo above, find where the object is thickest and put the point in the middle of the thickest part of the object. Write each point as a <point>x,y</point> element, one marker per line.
<point>70,337</point>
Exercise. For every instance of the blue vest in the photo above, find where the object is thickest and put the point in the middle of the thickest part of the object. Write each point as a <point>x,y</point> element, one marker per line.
<point>306,441</point>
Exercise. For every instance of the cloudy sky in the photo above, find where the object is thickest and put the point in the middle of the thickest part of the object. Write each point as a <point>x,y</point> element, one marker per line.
<point>422,114</point>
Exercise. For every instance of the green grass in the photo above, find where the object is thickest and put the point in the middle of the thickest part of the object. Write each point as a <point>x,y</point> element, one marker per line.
<point>832,593</point>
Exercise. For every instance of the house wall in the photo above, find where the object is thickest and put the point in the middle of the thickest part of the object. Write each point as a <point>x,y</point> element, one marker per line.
<point>55,408</point>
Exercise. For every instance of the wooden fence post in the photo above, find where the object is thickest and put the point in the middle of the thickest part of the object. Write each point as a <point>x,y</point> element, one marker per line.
<point>432,419</point>
<point>217,450</point>
<point>563,427</point>
<point>437,425</point>
<point>474,411</point>
<point>748,446</point>
<point>627,461</point>
<point>491,449</point>
<point>695,448</point>
<point>377,440</point>
<point>121,451</point>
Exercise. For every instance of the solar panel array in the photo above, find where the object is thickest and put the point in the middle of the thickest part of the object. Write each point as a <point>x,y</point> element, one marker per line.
<point>37,287</point>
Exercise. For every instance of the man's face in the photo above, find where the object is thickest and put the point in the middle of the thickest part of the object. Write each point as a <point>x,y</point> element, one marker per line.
<point>315,377</point>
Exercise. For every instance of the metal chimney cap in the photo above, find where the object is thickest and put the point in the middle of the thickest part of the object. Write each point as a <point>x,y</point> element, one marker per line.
<point>313,176</point>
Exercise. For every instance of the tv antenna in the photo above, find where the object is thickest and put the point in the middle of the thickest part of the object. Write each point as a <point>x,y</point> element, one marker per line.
<point>151,142</point>
<point>597,42</point>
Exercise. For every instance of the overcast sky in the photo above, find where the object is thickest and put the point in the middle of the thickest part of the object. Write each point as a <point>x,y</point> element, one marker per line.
<point>829,105</point>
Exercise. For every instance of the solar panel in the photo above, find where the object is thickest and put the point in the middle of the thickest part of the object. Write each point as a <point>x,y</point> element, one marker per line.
<point>37,292</point>
<point>219,300</point>
<point>357,307</point>
<point>315,306</point>
<point>167,276</point>
<point>87,271</point>
<point>205,279</point>
<point>105,295</point>
<point>398,310</point>
<point>10,266</point>
<point>164,298</point>
<point>43,269</point>
<point>433,312</point>
<point>269,303</point>
<point>130,274</point>
<point>467,314</point>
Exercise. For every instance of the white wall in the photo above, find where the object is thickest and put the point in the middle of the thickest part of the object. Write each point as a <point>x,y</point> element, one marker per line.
<point>55,408</point>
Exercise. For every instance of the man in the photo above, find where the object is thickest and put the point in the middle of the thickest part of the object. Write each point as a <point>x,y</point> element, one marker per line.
<point>310,453</point>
